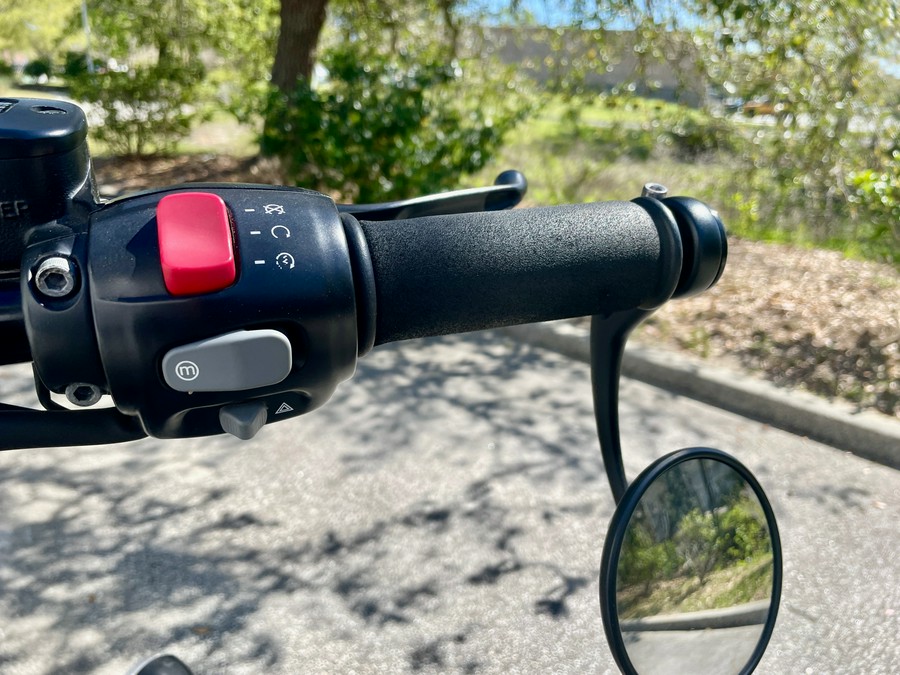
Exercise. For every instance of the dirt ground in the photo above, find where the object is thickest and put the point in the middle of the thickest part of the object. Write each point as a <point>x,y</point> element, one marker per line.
<point>799,317</point>
<point>804,318</point>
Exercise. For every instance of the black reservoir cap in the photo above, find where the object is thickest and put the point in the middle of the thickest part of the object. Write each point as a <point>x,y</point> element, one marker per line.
<point>44,164</point>
<point>33,127</point>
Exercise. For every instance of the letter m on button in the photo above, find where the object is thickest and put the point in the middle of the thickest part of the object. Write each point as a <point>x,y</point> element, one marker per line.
<point>187,370</point>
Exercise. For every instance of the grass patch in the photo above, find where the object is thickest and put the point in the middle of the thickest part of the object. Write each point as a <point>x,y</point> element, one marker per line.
<point>9,89</point>
<point>609,110</point>
<point>607,152</point>
<point>735,585</point>
<point>564,165</point>
<point>221,134</point>
<point>611,147</point>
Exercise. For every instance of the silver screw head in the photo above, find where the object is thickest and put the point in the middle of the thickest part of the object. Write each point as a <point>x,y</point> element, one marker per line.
<point>55,277</point>
<point>654,190</point>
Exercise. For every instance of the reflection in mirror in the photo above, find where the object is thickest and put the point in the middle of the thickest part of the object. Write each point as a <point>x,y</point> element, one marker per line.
<point>695,575</point>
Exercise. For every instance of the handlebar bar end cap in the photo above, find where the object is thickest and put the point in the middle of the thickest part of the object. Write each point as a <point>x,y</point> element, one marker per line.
<point>705,245</point>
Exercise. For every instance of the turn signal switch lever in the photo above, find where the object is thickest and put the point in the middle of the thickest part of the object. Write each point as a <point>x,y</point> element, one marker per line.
<point>705,250</point>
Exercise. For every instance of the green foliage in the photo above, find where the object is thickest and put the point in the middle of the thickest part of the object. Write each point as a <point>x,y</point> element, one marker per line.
<point>677,557</point>
<point>143,111</point>
<point>717,539</point>
<point>874,196</point>
<point>35,27</point>
<point>75,64</point>
<point>38,68</point>
<point>697,542</point>
<point>243,34</point>
<point>810,173</point>
<point>644,561</point>
<point>652,130</point>
<point>400,112</point>
<point>388,125</point>
<point>803,174</point>
<point>692,135</point>
<point>152,105</point>
<point>138,31</point>
<point>743,531</point>
<point>700,543</point>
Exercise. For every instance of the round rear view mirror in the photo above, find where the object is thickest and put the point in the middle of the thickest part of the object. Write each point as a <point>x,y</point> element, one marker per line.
<point>690,578</point>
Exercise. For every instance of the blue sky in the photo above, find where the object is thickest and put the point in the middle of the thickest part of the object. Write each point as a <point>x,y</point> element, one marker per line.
<point>557,12</point>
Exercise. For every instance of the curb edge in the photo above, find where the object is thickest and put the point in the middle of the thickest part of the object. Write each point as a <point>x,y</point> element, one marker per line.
<point>865,434</point>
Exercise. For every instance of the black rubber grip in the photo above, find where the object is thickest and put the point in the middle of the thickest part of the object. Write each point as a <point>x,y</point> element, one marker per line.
<point>449,274</point>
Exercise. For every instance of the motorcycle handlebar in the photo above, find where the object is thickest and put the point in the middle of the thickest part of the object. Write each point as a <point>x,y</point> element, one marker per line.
<point>217,307</point>
<point>454,273</point>
<point>324,286</point>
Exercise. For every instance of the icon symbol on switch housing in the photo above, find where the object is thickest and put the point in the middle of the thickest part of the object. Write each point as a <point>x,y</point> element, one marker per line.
<point>283,408</point>
<point>274,209</point>
<point>285,261</point>
<point>187,370</point>
<point>285,235</point>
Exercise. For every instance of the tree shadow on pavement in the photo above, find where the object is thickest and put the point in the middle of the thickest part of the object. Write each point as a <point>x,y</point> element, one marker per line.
<point>134,550</point>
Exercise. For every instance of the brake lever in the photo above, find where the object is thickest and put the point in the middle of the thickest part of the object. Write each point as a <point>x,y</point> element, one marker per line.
<point>701,264</point>
<point>507,191</point>
<point>608,337</point>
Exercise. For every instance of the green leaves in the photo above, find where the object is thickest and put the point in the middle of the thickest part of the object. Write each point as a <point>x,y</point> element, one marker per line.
<point>388,126</point>
<point>36,27</point>
<point>143,111</point>
<point>818,65</point>
<point>152,104</point>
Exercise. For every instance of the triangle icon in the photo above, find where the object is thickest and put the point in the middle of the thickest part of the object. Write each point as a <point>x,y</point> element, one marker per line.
<point>283,408</point>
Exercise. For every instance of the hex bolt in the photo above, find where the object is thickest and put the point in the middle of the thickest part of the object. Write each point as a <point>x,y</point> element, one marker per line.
<point>655,191</point>
<point>55,277</point>
<point>82,394</point>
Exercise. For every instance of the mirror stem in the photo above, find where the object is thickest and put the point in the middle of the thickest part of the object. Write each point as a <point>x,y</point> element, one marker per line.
<point>608,337</point>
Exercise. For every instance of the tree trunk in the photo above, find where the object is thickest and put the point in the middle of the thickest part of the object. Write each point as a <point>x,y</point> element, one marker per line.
<point>295,56</point>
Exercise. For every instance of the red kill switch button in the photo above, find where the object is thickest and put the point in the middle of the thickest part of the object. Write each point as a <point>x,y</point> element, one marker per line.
<point>195,245</point>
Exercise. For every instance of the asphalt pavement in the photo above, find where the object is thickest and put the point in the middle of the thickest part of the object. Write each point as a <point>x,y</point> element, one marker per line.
<point>445,513</point>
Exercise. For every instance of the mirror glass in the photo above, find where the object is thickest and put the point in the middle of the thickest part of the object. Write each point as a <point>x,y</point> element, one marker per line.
<point>695,575</point>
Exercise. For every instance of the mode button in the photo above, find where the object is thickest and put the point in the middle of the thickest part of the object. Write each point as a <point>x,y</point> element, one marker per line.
<point>244,359</point>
